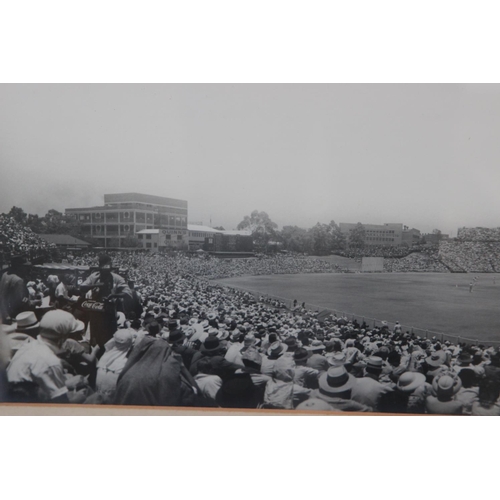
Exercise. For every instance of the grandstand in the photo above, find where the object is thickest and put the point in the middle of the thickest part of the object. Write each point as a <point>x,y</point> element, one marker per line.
<point>16,239</point>
<point>474,250</point>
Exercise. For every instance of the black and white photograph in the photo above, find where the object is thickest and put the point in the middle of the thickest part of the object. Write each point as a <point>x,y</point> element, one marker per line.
<point>273,248</point>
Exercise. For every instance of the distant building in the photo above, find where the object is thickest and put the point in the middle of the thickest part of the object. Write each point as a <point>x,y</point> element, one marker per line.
<point>124,215</point>
<point>65,241</point>
<point>377,234</point>
<point>198,235</point>
<point>434,239</point>
<point>201,237</point>
<point>410,236</point>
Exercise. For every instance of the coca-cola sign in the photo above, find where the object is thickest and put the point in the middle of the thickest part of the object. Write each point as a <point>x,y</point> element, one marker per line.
<point>92,305</point>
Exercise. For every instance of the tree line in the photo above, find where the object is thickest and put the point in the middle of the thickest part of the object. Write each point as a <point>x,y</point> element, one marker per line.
<point>321,239</point>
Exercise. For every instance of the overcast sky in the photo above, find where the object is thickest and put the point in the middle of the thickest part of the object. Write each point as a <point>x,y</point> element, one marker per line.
<point>424,155</point>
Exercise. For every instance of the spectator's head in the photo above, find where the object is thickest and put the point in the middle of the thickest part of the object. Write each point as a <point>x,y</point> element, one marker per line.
<point>276,350</point>
<point>26,322</point>
<point>335,383</point>
<point>291,343</point>
<point>468,378</point>
<point>176,337</point>
<point>252,359</point>
<point>409,381</point>
<point>153,328</point>
<point>446,385</point>
<point>489,391</point>
<point>383,352</point>
<point>316,347</point>
<point>55,326</point>
<point>464,358</point>
<point>284,369</point>
<point>104,263</point>
<point>394,358</point>
<point>436,359</point>
<point>300,356</point>
<point>495,360</point>
<point>374,366</point>
<point>205,366</point>
<point>211,346</point>
<point>337,359</point>
<point>124,339</point>
<point>17,263</point>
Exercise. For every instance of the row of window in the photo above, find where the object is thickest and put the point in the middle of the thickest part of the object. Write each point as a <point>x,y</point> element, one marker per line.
<point>196,234</point>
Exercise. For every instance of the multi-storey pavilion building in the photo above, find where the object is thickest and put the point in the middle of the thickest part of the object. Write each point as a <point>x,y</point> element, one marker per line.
<point>116,223</point>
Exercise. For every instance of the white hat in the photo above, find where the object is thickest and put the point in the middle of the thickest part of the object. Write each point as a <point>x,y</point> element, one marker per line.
<point>26,320</point>
<point>60,322</point>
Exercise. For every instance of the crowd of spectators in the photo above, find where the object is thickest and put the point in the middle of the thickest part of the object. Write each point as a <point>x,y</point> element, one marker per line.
<point>194,343</point>
<point>478,234</point>
<point>470,256</point>
<point>209,267</point>
<point>415,262</point>
<point>379,251</point>
<point>18,239</point>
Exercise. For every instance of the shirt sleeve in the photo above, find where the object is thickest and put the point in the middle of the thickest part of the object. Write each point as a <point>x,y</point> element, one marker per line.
<point>52,381</point>
<point>91,280</point>
<point>120,285</point>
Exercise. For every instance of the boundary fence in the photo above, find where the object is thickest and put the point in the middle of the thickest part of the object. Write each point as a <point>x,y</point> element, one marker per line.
<point>422,332</point>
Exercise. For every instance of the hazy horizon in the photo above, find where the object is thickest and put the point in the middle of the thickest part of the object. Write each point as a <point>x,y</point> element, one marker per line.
<point>421,155</point>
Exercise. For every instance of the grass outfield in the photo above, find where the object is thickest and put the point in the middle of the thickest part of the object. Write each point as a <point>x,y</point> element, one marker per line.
<point>435,301</point>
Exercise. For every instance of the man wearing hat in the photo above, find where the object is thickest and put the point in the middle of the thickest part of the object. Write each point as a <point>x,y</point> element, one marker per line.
<point>27,323</point>
<point>445,386</point>
<point>464,361</point>
<point>335,387</point>
<point>235,345</point>
<point>317,360</point>
<point>35,373</point>
<point>408,396</point>
<point>368,390</point>
<point>273,353</point>
<point>304,375</point>
<point>434,364</point>
<point>212,349</point>
<point>177,341</point>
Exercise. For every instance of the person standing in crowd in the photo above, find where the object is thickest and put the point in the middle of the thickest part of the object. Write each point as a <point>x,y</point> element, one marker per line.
<point>63,299</point>
<point>136,300</point>
<point>14,296</point>
<point>35,373</point>
<point>104,285</point>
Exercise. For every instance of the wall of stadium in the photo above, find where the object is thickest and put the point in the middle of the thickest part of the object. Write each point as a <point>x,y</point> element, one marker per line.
<point>372,264</point>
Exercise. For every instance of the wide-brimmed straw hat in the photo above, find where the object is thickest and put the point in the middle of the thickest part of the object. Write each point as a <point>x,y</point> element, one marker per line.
<point>26,321</point>
<point>334,382</point>
<point>446,385</point>
<point>409,381</point>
